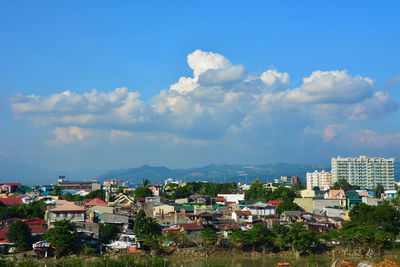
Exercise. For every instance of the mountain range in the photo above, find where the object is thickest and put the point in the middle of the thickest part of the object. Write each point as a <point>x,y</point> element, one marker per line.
<point>33,175</point>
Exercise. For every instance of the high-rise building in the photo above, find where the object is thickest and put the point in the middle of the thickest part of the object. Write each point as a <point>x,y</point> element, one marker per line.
<point>321,179</point>
<point>364,172</point>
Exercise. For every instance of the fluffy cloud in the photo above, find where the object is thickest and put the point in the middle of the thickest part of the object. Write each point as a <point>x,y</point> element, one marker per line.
<point>89,109</point>
<point>369,138</point>
<point>331,87</point>
<point>219,100</point>
<point>68,135</point>
<point>379,103</point>
<point>333,130</point>
<point>275,79</point>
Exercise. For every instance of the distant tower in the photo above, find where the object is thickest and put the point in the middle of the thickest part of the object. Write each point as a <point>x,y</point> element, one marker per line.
<point>61,179</point>
<point>295,179</point>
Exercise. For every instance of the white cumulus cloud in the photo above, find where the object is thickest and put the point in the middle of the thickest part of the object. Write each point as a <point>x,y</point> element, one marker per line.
<point>219,100</point>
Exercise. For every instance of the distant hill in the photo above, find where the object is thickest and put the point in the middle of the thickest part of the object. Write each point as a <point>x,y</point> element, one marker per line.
<point>35,175</point>
<point>217,173</point>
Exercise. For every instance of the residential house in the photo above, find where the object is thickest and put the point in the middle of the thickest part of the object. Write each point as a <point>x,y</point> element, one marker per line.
<point>191,229</point>
<point>65,210</point>
<point>260,209</point>
<point>196,198</point>
<point>337,194</point>
<point>163,209</point>
<point>109,218</point>
<point>219,200</point>
<point>229,228</point>
<point>242,216</point>
<point>232,197</point>
<point>94,202</point>
<point>275,203</point>
<point>36,226</point>
<point>389,194</point>
<point>123,201</point>
<point>96,210</point>
<point>49,200</point>
<point>156,189</point>
<point>352,199</point>
<point>320,204</point>
<point>8,188</point>
<point>290,216</point>
<point>372,201</point>
<point>307,193</point>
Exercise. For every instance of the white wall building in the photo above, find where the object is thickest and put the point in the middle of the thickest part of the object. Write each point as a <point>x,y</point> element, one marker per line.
<point>232,197</point>
<point>364,172</point>
<point>321,179</point>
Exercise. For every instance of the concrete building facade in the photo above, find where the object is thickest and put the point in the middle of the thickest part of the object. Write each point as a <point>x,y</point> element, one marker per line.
<point>321,179</point>
<point>364,171</point>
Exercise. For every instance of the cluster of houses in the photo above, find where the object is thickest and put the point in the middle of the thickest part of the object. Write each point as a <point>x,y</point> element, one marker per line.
<point>321,210</point>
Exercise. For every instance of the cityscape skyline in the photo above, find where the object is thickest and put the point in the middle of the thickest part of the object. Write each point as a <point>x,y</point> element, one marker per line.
<point>101,87</point>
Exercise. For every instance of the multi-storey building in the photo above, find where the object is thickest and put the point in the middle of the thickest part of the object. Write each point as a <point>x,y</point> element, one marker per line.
<point>321,179</point>
<point>364,172</point>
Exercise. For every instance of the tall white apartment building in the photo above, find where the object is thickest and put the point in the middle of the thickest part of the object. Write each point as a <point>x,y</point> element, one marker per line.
<point>365,172</point>
<point>321,179</point>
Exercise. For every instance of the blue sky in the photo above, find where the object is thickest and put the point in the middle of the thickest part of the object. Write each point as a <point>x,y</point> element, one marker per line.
<point>201,82</point>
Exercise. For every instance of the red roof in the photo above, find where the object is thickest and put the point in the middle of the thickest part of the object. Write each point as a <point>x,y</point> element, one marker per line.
<point>191,226</point>
<point>10,184</point>
<point>242,212</point>
<point>32,221</point>
<point>219,199</point>
<point>36,229</point>
<point>11,201</point>
<point>3,237</point>
<point>95,201</point>
<point>275,202</point>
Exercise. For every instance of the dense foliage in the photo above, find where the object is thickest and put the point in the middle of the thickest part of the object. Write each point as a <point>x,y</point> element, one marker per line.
<point>23,211</point>
<point>208,236</point>
<point>20,234</point>
<point>145,226</point>
<point>369,227</point>
<point>108,232</point>
<point>343,184</point>
<point>64,237</point>
<point>287,206</point>
<point>258,192</point>
<point>210,189</point>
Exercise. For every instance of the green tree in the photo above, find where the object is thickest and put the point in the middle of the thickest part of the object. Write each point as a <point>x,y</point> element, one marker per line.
<point>282,193</point>
<point>56,191</point>
<point>145,183</point>
<point>379,189</point>
<point>257,191</point>
<point>208,236</point>
<point>101,194</point>
<point>144,225</point>
<point>298,186</point>
<point>301,239</point>
<point>20,234</point>
<point>343,184</point>
<point>142,192</point>
<point>316,188</point>
<point>287,206</point>
<point>64,237</point>
<point>108,232</point>
<point>259,236</point>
